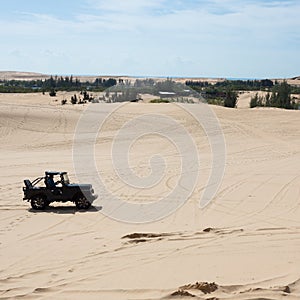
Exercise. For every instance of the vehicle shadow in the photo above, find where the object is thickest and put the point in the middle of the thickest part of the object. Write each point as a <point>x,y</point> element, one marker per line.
<point>65,210</point>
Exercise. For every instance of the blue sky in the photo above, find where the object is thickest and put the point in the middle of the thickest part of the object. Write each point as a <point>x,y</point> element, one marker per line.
<point>213,38</point>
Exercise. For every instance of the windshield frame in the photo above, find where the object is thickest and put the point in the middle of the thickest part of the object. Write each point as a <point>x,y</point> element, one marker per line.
<point>65,179</point>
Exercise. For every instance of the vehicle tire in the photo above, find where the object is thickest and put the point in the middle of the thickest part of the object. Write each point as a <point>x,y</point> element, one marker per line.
<point>39,203</point>
<point>82,203</point>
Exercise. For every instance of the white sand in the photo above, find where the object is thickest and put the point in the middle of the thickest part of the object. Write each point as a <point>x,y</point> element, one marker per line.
<point>252,251</point>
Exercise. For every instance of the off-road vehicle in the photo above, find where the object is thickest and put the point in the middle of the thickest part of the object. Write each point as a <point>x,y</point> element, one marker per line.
<point>56,187</point>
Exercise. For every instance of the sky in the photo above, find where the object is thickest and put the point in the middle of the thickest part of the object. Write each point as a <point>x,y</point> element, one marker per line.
<point>191,38</point>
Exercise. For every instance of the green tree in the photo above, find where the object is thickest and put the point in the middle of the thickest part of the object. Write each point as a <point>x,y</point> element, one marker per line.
<point>254,101</point>
<point>86,96</point>
<point>268,100</point>
<point>52,93</point>
<point>74,99</point>
<point>284,95</point>
<point>230,99</point>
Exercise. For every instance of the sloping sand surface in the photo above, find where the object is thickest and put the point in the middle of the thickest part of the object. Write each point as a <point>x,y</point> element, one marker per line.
<point>244,245</point>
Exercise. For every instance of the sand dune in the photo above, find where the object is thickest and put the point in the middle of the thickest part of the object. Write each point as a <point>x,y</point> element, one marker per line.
<point>243,245</point>
<point>17,75</point>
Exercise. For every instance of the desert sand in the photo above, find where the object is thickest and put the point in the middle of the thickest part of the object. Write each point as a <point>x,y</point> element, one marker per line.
<point>244,245</point>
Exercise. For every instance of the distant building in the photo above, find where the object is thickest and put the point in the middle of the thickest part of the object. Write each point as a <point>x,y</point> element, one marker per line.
<point>166,94</point>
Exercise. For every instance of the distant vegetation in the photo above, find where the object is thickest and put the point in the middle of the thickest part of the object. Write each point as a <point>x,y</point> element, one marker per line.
<point>236,85</point>
<point>53,84</point>
<point>83,98</point>
<point>280,97</point>
<point>225,92</point>
<point>166,91</point>
<point>160,101</point>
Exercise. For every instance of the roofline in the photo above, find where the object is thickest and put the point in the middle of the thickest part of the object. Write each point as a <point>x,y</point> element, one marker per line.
<point>55,173</point>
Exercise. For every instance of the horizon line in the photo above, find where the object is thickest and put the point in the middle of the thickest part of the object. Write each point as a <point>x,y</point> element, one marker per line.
<point>150,76</point>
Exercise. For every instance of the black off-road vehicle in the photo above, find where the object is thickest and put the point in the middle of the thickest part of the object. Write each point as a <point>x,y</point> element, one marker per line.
<point>57,191</point>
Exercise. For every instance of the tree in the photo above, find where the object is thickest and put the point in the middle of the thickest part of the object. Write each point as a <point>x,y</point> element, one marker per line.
<point>280,97</point>
<point>274,99</point>
<point>284,95</point>
<point>52,93</point>
<point>230,99</point>
<point>268,100</point>
<point>86,96</point>
<point>254,101</point>
<point>258,100</point>
<point>52,82</point>
<point>267,83</point>
<point>74,99</point>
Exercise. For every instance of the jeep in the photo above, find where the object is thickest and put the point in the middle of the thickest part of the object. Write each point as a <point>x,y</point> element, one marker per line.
<point>56,187</point>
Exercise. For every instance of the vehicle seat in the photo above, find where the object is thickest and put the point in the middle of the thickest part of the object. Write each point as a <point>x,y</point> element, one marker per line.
<point>28,184</point>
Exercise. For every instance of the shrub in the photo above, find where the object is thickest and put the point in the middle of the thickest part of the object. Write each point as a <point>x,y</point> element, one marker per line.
<point>74,99</point>
<point>160,101</point>
<point>52,93</point>
<point>230,99</point>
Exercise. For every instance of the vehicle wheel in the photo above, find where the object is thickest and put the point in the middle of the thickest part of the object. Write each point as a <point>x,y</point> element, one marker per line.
<point>82,203</point>
<point>39,203</point>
